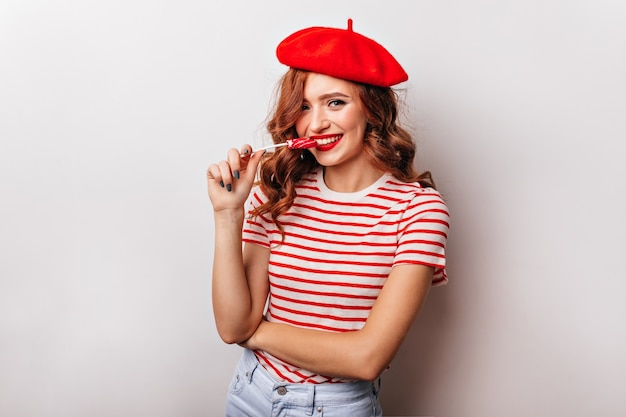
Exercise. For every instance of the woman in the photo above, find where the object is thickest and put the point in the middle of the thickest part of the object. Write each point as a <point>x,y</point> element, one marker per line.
<point>342,241</point>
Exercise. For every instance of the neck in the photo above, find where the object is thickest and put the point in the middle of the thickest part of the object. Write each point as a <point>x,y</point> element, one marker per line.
<point>350,180</point>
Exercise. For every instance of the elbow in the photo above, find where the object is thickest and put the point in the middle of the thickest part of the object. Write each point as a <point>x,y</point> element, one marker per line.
<point>371,365</point>
<point>370,372</point>
<point>235,330</point>
<point>230,339</point>
<point>233,336</point>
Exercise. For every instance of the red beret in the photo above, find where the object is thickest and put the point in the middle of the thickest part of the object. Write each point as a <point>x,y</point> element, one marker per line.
<point>341,53</point>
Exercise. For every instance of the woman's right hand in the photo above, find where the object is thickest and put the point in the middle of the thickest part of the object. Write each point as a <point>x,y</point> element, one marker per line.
<point>230,181</point>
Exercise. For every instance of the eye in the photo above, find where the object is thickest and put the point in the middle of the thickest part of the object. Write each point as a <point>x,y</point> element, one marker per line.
<point>305,107</point>
<point>336,103</point>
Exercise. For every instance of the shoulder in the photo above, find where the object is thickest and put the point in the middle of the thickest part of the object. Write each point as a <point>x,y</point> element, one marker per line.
<point>257,196</point>
<point>410,192</point>
<point>255,200</point>
<point>421,203</point>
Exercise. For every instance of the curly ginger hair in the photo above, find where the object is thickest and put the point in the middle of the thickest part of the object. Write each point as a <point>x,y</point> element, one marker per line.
<point>388,146</point>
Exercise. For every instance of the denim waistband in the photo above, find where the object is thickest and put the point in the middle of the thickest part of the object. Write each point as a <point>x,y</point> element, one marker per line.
<point>305,394</point>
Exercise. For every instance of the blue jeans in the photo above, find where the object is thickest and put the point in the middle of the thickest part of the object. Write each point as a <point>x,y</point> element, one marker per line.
<point>254,393</point>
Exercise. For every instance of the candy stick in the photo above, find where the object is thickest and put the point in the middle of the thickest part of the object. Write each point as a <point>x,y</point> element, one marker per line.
<point>297,143</point>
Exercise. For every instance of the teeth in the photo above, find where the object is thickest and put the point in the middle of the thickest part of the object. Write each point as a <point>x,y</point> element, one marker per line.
<point>326,141</point>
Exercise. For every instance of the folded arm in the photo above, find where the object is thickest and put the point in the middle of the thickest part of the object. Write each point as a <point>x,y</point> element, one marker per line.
<point>363,354</point>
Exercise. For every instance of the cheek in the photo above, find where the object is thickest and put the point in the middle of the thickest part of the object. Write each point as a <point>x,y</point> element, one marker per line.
<point>358,128</point>
<point>354,121</point>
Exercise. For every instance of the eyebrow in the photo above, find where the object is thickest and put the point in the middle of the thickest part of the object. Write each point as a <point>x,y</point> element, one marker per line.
<point>331,95</point>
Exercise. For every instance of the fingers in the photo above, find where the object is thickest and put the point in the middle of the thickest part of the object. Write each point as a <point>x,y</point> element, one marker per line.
<point>214,176</point>
<point>223,172</point>
<point>238,164</point>
<point>246,151</point>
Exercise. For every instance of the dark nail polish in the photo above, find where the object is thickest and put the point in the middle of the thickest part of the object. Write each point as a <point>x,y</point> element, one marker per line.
<point>236,173</point>
<point>222,184</point>
<point>229,187</point>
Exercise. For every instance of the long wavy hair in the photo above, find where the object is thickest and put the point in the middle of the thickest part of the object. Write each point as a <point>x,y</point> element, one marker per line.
<point>388,146</point>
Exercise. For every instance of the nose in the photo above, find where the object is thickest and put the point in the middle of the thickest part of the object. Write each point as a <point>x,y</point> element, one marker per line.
<point>319,121</point>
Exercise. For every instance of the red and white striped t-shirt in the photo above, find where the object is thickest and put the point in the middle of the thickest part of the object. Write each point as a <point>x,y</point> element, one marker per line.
<point>338,250</point>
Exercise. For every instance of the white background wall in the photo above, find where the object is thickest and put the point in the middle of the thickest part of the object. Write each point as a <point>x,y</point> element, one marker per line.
<point>110,113</point>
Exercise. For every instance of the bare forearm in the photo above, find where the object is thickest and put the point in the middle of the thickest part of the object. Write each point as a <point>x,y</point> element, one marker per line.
<point>343,355</point>
<point>232,302</point>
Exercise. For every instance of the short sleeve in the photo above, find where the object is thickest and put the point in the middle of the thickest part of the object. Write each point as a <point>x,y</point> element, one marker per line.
<point>255,227</point>
<point>423,233</point>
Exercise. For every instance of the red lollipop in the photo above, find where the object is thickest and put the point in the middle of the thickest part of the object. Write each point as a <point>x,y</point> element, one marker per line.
<point>301,143</point>
<point>298,143</point>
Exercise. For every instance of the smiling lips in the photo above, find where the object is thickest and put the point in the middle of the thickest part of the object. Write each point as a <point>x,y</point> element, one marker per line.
<point>326,139</point>
<point>327,142</point>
